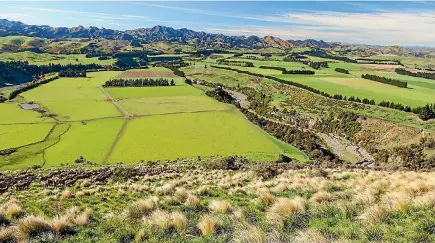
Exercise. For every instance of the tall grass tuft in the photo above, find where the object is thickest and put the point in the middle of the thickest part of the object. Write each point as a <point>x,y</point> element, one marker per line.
<point>32,226</point>
<point>179,221</point>
<point>207,225</point>
<point>192,201</point>
<point>219,206</point>
<point>138,209</point>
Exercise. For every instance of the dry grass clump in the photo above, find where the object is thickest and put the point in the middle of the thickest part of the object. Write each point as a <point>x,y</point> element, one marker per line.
<point>398,200</point>
<point>250,234</point>
<point>284,207</point>
<point>266,198</point>
<point>310,236</point>
<point>192,201</point>
<point>85,193</point>
<point>138,209</point>
<point>207,225</point>
<point>204,190</point>
<point>373,215</point>
<point>321,197</point>
<point>60,225</point>
<point>166,221</point>
<point>219,206</point>
<point>31,226</point>
<point>161,219</point>
<point>85,183</point>
<point>12,209</point>
<point>83,218</point>
<point>8,234</point>
<point>239,214</point>
<point>425,200</point>
<point>67,193</point>
<point>180,194</point>
<point>416,188</point>
<point>179,221</point>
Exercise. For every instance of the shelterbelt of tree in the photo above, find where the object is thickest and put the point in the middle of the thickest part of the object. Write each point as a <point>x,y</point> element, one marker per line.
<point>417,74</point>
<point>384,80</point>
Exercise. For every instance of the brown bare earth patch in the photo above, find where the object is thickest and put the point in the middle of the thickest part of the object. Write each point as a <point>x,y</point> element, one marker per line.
<point>382,67</point>
<point>132,74</point>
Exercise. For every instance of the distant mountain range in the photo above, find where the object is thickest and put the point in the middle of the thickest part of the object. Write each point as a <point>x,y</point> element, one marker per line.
<point>157,33</point>
<point>199,39</point>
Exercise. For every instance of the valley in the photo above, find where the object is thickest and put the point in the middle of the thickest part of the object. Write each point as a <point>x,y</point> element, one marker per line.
<point>174,135</point>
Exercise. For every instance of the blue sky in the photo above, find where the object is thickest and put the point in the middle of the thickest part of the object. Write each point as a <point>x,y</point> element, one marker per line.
<point>383,23</point>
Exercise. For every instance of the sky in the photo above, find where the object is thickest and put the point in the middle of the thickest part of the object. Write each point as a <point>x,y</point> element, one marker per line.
<point>376,23</point>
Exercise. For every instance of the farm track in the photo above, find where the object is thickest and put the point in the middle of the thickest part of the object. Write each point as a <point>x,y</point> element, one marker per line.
<point>115,142</point>
<point>58,140</point>
<point>115,103</point>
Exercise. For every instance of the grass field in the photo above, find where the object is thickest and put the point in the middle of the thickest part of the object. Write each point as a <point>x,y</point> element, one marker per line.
<point>46,58</point>
<point>14,114</point>
<point>419,93</point>
<point>75,98</point>
<point>134,92</point>
<point>167,122</point>
<point>191,135</point>
<point>168,105</point>
<point>22,134</point>
<point>34,154</point>
<point>91,140</point>
<point>22,41</point>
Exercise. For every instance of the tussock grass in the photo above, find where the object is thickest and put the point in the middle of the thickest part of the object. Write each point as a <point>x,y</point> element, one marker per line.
<point>8,234</point>
<point>310,236</point>
<point>180,194</point>
<point>250,234</point>
<point>67,193</point>
<point>192,201</point>
<point>266,198</point>
<point>12,210</point>
<point>374,215</point>
<point>32,226</point>
<point>138,209</point>
<point>219,206</point>
<point>179,220</point>
<point>60,225</point>
<point>161,219</point>
<point>207,225</point>
<point>321,197</point>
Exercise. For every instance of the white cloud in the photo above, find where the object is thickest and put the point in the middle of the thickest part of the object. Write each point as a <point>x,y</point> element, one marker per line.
<point>201,11</point>
<point>91,14</point>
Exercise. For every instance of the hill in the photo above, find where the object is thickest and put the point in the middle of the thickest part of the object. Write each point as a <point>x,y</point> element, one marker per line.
<point>154,34</point>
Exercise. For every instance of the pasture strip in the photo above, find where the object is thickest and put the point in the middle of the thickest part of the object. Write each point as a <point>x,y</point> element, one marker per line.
<point>118,137</point>
<point>31,151</point>
<point>186,112</point>
<point>115,103</point>
<point>28,144</point>
<point>51,145</point>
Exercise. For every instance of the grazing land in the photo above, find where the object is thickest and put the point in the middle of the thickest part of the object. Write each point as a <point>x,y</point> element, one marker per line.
<point>230,139</point>
<point>197,133</point>
<point>46,58</point>
<point>22,134</point>
<point>100,125</point>
<point>419,92</point>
